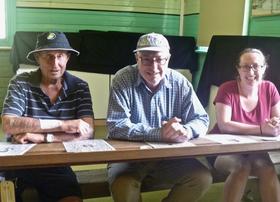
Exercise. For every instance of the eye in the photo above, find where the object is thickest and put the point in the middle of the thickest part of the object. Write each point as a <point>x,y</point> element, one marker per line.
<point>59,55</point>
<point>248,67</point>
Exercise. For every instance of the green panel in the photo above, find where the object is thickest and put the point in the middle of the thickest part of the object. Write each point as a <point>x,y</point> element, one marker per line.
<point>191,6</point>
<point>6,74</point>
<point>5,67</point>
<point>147,6</point>
<point>3,92</point>
<point>30,19</point>
<point>197,74</point>
<point>191,23</point>
<point>4,82</point>
<point>265,26</point>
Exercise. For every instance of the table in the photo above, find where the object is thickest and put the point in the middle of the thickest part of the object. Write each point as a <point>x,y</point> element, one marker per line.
<point>54,154</point>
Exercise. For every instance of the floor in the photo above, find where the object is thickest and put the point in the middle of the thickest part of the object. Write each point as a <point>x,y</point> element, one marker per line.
<point>214,194</point>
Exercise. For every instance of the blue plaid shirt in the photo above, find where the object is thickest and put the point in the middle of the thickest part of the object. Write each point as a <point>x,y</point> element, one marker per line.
<point>136,113</point>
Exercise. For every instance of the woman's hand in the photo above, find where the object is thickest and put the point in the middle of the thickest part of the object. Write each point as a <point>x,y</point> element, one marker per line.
<point>271,127</point>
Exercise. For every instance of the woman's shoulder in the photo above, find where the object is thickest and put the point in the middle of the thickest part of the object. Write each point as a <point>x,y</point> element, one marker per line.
<point>268,86</point>
<point>229,85</point>
<point>267,83</point>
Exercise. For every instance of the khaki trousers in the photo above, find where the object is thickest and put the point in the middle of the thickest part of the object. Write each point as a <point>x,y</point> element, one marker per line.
<point>188,179</point>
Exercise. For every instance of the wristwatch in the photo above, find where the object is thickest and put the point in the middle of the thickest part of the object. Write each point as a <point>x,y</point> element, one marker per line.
<point>49,138</point>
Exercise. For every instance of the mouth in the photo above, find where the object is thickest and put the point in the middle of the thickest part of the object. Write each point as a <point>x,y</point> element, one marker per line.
<point>251,78</point>
<point>152,73</point>
<point>54,71</point>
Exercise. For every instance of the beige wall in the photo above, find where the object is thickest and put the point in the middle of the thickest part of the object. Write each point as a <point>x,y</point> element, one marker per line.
<point>220,17</point>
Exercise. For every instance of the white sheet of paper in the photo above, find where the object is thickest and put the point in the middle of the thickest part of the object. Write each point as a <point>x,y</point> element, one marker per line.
<point>9,149</point>
<point>265,138</point>
<point>88,146</point>
<point>157,145</point>
<point>229,139</point>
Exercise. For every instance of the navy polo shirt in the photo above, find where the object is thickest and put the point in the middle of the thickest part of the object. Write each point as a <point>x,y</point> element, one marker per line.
<point>25,98</point>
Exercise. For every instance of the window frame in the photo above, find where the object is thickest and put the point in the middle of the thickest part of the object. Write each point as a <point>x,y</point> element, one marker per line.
<point>10,15</point>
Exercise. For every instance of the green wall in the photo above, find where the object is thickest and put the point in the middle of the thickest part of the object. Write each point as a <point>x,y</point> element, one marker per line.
<point>6,74</point>
<point>265,26</point>
<point>34,19</point>
<point>191,25</point>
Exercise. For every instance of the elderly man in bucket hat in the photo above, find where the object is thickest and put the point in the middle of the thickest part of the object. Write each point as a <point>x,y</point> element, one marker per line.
<point>44,106</point>
<point>151,102</point>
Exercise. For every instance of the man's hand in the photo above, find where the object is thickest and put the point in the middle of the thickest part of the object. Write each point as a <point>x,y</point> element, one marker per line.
<point>77,126</point>
<point>173,131</point>
<point>24,138</point>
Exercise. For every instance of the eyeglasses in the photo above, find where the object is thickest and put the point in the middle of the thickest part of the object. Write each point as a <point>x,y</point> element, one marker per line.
<point>150,61</point>
<point>254,67</point>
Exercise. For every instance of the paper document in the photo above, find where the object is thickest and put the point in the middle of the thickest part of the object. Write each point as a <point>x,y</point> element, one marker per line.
<point>157,145</point>
<point>265,138</point>
<point>229,139</point>
<point>9,149</point>
<point>88,146</point>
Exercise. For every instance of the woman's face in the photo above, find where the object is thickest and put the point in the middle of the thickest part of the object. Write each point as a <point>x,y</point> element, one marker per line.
<point>251,68</point>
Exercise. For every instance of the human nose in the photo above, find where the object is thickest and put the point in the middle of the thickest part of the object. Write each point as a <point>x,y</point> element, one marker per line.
<point>251,69</point>
<point>54,60</point>
<point>154,62</point>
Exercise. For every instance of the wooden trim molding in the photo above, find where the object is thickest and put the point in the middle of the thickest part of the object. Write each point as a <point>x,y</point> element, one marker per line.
<point>99,122</point>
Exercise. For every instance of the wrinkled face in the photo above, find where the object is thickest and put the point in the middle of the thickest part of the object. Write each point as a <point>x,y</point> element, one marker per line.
<point>251,68</point>
<point>52,63</point>
<point>152,66</point>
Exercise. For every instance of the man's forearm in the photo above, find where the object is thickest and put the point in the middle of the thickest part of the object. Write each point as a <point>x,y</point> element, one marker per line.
<point>13,125</point>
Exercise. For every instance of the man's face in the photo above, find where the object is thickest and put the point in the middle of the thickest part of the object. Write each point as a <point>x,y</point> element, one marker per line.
<point>52,63</point>
<point>152,66</point>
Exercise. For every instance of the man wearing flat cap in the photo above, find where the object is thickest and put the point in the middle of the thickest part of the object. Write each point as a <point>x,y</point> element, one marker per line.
<point>48,105</point>
<point>151,102</point>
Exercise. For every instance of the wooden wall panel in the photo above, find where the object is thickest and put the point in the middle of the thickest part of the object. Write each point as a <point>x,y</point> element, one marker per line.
<point>265,26</point>
<point>191,25</point>
<point>191,6</point>
<point>149,6</point>
<point>6,74</point>
<point>30,19</point>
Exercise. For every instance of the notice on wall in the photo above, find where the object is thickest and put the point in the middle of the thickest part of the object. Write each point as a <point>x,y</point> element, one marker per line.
<point>265,7</point>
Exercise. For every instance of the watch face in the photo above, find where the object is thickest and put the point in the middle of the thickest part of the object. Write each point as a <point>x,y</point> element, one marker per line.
<point>49,137</point>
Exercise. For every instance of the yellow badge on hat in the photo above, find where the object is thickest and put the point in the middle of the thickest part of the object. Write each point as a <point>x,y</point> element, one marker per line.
<point>51,36</point>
